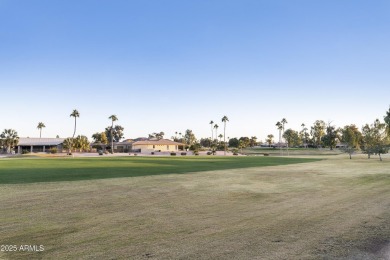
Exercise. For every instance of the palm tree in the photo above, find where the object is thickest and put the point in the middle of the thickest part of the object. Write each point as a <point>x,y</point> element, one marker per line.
<point>40,126</point>
<point>284,121</point>
<point>74,114</point>
<point>304,129</point>
<point>280,127</point>
<point>211,124</point>
<point>216,130</point>
<point>220,137</point>
<point>269,139</point>
<point>9,138</point>
<point>113,119</point>
<point>224,120</point>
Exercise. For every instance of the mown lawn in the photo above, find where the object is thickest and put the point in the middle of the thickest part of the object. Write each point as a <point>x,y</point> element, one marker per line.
<point>31,170</point>
<point>328,209</point>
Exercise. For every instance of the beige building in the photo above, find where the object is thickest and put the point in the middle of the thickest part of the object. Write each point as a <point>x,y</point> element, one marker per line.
<point>162,145</point>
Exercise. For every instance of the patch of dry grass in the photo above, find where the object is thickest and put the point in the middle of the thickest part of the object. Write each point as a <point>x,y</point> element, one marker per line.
<point>335,208</point>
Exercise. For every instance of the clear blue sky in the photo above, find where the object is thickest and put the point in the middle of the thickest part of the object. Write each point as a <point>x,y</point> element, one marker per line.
<point>175,65</point>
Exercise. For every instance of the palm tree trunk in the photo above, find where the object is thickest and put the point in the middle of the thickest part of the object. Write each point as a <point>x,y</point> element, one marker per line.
<point>224,140</point>
<point>112,139</point>
<point>74,132</point>
<point>40,133</point>
<point>211,135</point>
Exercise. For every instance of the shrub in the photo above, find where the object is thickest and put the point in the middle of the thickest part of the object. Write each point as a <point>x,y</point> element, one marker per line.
<point>183,153</point>
<point>53,150</point>
<point>25,151</point>
<point>196,153</point>
<point>208,153</point>
<point>235,153</point>
<point>152,153</point>
<point>173,154</point>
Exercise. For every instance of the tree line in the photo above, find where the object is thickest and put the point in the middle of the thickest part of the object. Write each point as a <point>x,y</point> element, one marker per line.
<point>371,139</point>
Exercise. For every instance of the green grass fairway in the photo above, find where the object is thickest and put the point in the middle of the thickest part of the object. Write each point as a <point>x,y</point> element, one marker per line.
<point>13,171</point>
<point>334,208</point>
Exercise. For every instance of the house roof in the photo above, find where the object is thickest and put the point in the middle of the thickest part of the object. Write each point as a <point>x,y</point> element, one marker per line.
<point>40,141</point>
<point>157,142</point>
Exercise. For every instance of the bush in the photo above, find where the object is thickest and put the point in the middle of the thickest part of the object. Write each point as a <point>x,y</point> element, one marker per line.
<point>173,154</point>
<point>25,151</point>
<point>235,153</point>
<point>183,153</point>
<point>100,152</point>
<point>196,153</point>
<point>208,153</point>
<point>53,150</point>
<point>152,153</point>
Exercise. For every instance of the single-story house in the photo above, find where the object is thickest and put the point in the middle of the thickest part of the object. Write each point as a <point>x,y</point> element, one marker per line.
<point>34,145</point>
<point>162,145</point>
<point>124,147</point>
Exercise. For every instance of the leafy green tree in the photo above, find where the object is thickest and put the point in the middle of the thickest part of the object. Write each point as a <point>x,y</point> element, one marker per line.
<point>9,139</point>
<point>241,144</point>
<point>270,139</point>
<point>253,141</point>
<point>225,119</point>
<point>189,137</point>
<point>100,138</point>
<point>245,141</point>
<point>205,142</point>
<point>351,136</point>
<point>318,131</point>
<point>233,142</point>
<point>39,127</point>
<point>292,137</point>
<point>220,137</point>
<point>117,133</point>
<point>331,136</point>
<point>157,136</point>
<point>375,139</point>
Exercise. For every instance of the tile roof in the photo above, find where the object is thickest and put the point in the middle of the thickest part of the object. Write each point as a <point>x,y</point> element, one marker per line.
<point>157,142</point>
